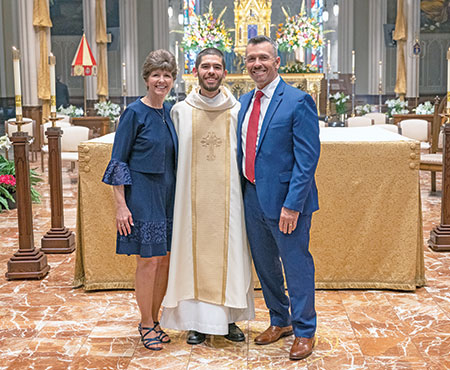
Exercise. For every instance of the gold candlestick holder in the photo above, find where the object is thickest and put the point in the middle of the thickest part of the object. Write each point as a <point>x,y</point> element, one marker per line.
<point>353,80</point>
<point>380,93</point>
<point>327,113</point>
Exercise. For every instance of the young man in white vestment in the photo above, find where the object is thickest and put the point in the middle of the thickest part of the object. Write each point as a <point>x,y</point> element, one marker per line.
<point>210,277</point>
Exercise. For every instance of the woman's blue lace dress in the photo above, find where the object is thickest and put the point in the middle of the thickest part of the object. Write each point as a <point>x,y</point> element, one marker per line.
<point>143,160</point>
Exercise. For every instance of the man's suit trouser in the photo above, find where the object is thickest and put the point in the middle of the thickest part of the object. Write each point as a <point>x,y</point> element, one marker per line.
<point>268,244</point>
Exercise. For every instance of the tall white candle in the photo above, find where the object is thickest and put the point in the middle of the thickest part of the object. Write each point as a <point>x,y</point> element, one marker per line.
<point>353,61</point>
<point>329,54</point>
<point>448,78</point>
<point>381,71</point>
<point>124,79</point>
<point>17,83</point>
<point>52,63</point>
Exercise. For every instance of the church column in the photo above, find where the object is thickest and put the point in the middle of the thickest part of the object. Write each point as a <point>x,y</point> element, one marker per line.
<point>377,50</point>
<point>160,23</point>
<point>89,30</point>
<point>129,46</point>
<point>29,63</point>
<point>412,13</point>
<point>345,36</point>
<point>29,53</point>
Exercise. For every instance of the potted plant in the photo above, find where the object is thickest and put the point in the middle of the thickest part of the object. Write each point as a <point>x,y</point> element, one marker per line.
<point>8,180</point>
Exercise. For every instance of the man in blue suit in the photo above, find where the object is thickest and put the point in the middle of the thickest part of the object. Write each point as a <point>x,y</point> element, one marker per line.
<point>278,151</point>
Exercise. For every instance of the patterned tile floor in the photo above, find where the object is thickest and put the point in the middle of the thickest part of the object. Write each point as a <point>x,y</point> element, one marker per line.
<point>48,325</point>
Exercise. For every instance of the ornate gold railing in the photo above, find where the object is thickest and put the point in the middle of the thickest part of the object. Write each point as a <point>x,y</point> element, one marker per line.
<point>240,84</point>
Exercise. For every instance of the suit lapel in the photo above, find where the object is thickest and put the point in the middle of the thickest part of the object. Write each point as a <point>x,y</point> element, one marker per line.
<point>245,103</point>
<point>274,102</point>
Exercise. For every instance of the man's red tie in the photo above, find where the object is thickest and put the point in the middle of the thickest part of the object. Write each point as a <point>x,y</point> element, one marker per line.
<point>252,134</point>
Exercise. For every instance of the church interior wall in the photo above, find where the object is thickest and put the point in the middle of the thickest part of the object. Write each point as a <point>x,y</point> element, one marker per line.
<point>9,37</point>
<point>145,41</point>
<point>361,40</point>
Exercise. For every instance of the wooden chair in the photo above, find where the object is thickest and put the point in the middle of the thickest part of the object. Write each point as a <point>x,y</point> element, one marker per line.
<point>417,129</point>
<point>358,121</point>
<point>44,148</point>
<point>29,127</point>
<point>70,139</point>
<point>433,161</point>
<point>378,118</point>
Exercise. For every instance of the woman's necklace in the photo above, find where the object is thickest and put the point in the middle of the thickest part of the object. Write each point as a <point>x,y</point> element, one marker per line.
<point>160,111</point>
<point>161,114</point>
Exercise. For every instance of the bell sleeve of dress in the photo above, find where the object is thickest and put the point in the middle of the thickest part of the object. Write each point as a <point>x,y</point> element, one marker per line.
<point>117,172</point>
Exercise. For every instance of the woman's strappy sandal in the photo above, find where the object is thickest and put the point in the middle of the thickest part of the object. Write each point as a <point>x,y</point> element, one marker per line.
<point>162,335</point>
<point>149,342</point>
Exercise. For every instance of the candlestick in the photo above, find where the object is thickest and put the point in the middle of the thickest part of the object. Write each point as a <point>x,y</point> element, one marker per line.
<point>353,61</point>
<point>52,63</point>
<point>17,83</point>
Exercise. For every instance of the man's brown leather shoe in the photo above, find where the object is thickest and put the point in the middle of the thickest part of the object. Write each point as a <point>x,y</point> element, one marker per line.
<point>272,334</point>
<point>301,348</point>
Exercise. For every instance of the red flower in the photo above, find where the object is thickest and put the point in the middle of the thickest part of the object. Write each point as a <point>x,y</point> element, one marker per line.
<point>8,180</point>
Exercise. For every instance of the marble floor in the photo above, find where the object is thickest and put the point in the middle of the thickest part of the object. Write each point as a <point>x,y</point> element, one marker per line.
<point>48,325</point>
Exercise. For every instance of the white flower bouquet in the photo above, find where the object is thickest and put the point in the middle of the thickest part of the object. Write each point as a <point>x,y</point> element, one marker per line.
<point>108,109</point>
<point>396,106</point>
<point>339,100</point>
<point>424,108</point>
<point>364,109</point>
<point>71,111</point>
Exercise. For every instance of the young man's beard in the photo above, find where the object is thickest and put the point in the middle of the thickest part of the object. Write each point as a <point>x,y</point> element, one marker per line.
<point>210,88</point>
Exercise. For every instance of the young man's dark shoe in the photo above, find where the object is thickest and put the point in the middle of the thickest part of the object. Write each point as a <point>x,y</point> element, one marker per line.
<point>194,337</point>
<point>234,333</point>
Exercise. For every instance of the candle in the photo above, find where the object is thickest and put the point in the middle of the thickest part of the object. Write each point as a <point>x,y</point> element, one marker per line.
<point>52,63</point>
<point>448,78</point>
<point>124,80</point>
<point>381,71</point>
<point>17,84</point>
<point>353,61</point>
<point>329,54</point>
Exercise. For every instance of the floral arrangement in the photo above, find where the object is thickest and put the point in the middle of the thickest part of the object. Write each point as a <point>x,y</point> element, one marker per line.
<point>396,106</point>
<point>108,109</point>
<point>364,109</point>
<point>299,31</point>
<point>339,101</point>
<point>7,188</point>
<point>8,179</point>
<point>71,111</point>
<point>206,31</point>
<point>299,67</point>
<point>424,108</point>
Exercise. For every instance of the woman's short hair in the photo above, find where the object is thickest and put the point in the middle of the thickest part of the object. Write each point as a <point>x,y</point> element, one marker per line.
<point>159,59</point>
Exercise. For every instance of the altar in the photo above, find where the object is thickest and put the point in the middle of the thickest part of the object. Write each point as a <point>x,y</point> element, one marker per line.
<point>240,84</point>
<point>366,235</point>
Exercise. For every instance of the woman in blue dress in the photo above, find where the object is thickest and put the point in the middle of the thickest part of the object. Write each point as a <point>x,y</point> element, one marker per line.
<point>142,171</point>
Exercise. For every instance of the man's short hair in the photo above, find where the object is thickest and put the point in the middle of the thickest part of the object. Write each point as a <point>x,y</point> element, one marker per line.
<point>209,51</point>
<point>260,39</point>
